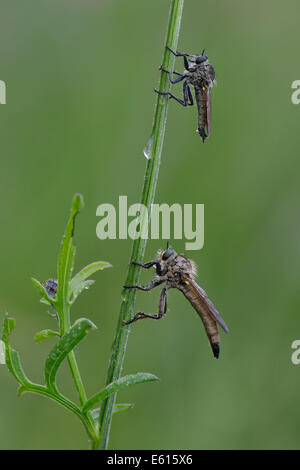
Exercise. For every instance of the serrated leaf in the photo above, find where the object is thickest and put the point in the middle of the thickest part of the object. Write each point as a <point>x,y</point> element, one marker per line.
<point>118,385</point>
<point>79,283</point>
<point>41,335</point>
<point>67,252</point>
<point>12,357</point>
<point>62,348</point>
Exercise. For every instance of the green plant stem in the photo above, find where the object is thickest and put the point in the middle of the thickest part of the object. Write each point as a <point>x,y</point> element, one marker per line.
<point>77,378</point>
<point>65,314</point>
<point>154,149</point>
<point>41,390</point>
<point>66,324</point>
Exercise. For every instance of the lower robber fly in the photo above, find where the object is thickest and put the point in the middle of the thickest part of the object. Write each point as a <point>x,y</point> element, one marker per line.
<point>179,272</point>
<point>201,74</point>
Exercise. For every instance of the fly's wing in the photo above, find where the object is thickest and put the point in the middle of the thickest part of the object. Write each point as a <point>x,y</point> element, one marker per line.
<point>208,108</point>
<point>203,302</point>
<point>210,78</point>
<point>211,74</point>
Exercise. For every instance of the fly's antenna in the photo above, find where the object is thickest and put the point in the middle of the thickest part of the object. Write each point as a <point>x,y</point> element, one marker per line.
<point>168,244</point>
<point>203,52</point>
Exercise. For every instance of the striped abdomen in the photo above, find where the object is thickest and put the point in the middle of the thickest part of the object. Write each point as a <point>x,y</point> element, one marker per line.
<point>206,309</point>
<point>203,104</point>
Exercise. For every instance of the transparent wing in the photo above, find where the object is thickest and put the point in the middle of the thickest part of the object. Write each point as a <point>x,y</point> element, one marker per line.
<point>208,108</point>
<point>203,303</point>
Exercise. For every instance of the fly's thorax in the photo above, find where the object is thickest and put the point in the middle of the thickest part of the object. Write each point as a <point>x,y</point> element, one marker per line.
<point>175,267</point>
<point>200,75</point>
<point>196,76</point>
<point>185,266</point>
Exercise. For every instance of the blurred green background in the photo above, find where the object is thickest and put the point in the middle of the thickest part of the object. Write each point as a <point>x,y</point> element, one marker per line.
<point>80,76</point>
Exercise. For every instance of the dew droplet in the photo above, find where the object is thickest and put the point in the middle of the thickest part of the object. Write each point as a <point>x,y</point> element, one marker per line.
<point>148,148</point>
<point>2,352</point>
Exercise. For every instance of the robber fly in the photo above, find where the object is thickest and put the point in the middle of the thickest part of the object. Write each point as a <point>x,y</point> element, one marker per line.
<point>179,272</point>
<point>201,74</point>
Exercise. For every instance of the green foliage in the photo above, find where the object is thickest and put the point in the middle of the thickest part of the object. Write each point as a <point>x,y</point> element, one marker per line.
<point>63,347</point>
<point>41,335</point>
<point>60,295</point>
<point>118,385</point>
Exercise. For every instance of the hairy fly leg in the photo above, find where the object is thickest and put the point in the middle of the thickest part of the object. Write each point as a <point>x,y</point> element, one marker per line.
<point>162,309</point>
<point>176,80</point>
<point>177,54</point>
<point>190,96</point>
<point>146,287</point>
<point>187,95</point>
<point>180,54</point>
<point>149,265</point>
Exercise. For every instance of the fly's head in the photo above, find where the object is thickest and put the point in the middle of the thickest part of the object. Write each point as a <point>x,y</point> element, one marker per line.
<point>166,259</point>
<point>172,265</point>
<point>201,58</point>
<point>197,60</point>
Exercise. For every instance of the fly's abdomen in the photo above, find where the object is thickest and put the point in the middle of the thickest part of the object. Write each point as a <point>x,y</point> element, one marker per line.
<point>202,99</point>
<point>209,323</point>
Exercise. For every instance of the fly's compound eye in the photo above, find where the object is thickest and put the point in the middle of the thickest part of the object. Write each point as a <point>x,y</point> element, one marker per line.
<point>201,58</point>
<point>167,253</point>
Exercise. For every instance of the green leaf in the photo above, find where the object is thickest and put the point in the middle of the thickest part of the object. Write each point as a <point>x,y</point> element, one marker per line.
<point>119,408</point>
<point>62,348</point>
<point>12,357</point>
<point>67,252</point>
<point>41,335</point>
<point>95,415</point>
<point>83,286</point>
<point>41,288</point>
<point>2,352</point>
<point>79,283</point>
<point>118,385</point>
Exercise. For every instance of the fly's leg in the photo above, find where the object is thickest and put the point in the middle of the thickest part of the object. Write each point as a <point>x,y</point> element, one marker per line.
<point>187,95</point>
<point>177,54</point>
<point>149,265</point>
<point>146,287</point>
<point>180,54</point>
<point>180,101</point>
<point>190,96</point>
<point>176,80</point>
<point>162,309</point>
<point>165,70</point>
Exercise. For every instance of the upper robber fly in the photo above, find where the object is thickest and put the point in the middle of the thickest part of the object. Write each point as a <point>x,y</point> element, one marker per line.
<point>201,74</point>
<point>179,272</point>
